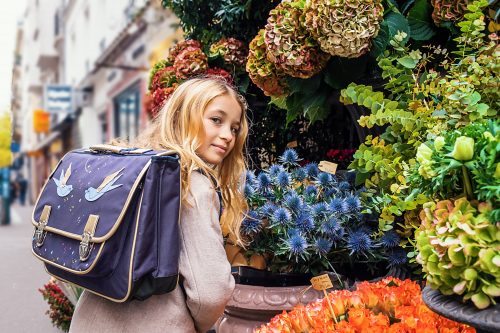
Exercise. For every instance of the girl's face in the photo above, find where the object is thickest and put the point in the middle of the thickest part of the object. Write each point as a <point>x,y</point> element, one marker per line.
<point>221,122</point>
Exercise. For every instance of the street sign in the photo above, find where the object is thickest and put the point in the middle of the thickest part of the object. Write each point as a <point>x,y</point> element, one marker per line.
<point>58,98</point>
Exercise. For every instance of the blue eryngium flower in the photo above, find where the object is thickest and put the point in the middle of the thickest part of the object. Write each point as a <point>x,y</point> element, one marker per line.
<point>293,201</point>
<point>275,169</point>
<point>396,257</point>
<point>323,245</point>
<point>332,228</point>
<point>324,179</point>
<point>290,156</point>
<point>263,181</point>
<point>252,223</point>
<point>336,206</point>
<point>311,191</point>
<point>390,239</point>
<point>299,174</point>
<point>305,222</point>
<point>248,190</point>
<point>282,216</point>
<point>319,209</point>
<point>344,186</point>
<point>351,204</point>
<point>312,170</point>
<point>268,209</point>
<point>297,245</point>
<point>359,242</point>
<point>283,179</point>
<point>250,177</point>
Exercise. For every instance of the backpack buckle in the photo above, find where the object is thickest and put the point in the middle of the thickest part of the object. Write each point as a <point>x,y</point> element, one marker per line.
<point>86,245</point>
<point>40,232</point>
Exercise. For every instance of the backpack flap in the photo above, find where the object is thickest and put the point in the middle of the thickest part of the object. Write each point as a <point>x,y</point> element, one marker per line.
<point>82,206</point>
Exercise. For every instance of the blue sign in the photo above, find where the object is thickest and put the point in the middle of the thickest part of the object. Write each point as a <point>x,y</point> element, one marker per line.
<point>58,98</point>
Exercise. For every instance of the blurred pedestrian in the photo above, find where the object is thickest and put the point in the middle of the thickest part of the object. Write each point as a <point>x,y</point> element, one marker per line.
<point>22,188</point>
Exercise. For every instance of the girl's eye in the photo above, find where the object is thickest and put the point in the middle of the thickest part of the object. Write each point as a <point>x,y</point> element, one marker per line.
<point>235,130</point>
<point>216,120</point>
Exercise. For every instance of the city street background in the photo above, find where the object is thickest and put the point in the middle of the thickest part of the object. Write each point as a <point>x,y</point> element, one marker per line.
<point>22,306</point>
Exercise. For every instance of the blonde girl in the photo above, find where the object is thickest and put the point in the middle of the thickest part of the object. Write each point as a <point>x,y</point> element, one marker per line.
<point>204,121</point>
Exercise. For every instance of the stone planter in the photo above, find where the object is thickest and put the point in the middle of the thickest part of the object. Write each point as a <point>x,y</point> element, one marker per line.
<point>451,307</point>
<point>254,305</point>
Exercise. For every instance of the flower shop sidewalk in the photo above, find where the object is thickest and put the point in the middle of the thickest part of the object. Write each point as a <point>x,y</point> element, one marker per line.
<point>22,308</point>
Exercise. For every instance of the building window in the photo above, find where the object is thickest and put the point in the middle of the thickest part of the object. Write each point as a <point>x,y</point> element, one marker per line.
<point>35,34</point>
<point>138,51</point>
<point>126,110</point>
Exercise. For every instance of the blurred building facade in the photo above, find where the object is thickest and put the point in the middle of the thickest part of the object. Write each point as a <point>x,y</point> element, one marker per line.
<point>99,53</point>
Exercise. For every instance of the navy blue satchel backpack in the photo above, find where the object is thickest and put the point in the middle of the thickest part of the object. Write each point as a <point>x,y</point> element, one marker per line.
<point>107,220</point>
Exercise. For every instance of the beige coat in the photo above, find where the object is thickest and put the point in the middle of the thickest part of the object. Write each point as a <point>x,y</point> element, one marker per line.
<point>203,265</point>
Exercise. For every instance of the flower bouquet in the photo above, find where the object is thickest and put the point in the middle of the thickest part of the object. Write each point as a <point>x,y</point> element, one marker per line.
<point>390,305</point>
<point>459,238</point>
<point>304,220</point>
<point>61,309</point>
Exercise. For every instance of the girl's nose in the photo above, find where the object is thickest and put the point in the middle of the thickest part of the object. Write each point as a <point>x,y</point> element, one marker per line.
<point>226,133</point>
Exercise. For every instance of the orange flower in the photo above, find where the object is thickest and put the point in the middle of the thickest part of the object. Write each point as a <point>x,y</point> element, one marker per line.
<point>359,318</point>
<point>368,309</point>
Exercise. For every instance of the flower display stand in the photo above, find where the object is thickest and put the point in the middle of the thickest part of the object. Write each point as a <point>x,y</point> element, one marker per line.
<point>252,306</point>
<point>484,321</point>
<point>259,295</point>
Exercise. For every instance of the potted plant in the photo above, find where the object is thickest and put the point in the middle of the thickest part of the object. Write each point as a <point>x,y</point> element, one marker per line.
<point>459,238</point>
<point>302,221</point>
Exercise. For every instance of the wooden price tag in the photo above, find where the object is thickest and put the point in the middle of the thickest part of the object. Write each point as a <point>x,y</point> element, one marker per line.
<point>292,144</point>
<point>321,282</point>
<point>329,167</point>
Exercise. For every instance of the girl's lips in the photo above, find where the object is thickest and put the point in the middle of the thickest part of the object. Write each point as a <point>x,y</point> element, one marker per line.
<point>220,149</point>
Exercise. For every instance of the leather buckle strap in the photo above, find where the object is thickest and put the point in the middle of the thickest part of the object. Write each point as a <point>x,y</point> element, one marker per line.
<point>86,244</point>
<point>40,232</point>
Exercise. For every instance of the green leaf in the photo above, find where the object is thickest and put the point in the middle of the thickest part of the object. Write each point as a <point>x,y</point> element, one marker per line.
<point>304,86</point>
<point>315,107</point>
<point>408,62</point>
<point>279,102</point>
<point>406,6</point>
<point>397,22</point>
<point>380,42</point>
<point>420,21</point>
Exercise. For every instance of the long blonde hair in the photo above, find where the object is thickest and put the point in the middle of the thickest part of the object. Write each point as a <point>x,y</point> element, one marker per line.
<point>179,127</point>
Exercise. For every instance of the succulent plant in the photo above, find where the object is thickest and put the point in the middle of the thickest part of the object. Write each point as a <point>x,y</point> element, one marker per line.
<point>448,10</point>
<point>163,78</point>
<point>189,62</point>
<point>343,28</point>
<point>460,250</point>
<point>233,51</point>
<point>181,46</point>
<point>289,45</point>
<point>262,72</point>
